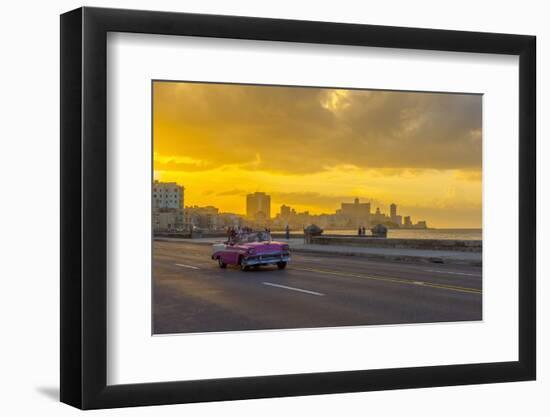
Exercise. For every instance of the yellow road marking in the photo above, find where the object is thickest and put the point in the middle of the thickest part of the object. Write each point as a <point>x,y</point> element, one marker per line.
<point>396,280</point>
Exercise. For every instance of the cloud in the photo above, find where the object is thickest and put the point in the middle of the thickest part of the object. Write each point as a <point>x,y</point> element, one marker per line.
<point>232,192</point>
<point>468,175</point>
<point>305,130</point>
<point>180,163</point>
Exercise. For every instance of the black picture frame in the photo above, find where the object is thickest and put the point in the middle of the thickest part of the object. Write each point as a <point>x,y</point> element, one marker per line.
<point>84,207</point>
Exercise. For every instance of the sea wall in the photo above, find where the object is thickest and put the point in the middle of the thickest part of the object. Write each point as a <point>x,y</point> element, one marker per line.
<point>427,244</point>
<point>187,235</point>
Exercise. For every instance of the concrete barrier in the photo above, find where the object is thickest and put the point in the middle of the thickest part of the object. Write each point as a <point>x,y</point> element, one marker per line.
<point>427,244</point>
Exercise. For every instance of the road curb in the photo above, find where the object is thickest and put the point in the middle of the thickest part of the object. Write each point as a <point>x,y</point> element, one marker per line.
<point>397,258</point>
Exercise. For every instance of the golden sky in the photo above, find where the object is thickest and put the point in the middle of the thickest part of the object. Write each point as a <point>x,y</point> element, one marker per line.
<point>313,148</point>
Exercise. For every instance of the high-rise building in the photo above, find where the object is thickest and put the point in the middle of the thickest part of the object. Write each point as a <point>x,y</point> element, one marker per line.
<point>168,195</point>
<point>168,200</point>
<point>285,211</point>
<point>407,221</point>
<point>393,210</point>
<point>258,207</point>
<point>394,217</point>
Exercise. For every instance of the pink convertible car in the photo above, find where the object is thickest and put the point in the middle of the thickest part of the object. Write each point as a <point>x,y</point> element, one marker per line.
<point>251,249</point>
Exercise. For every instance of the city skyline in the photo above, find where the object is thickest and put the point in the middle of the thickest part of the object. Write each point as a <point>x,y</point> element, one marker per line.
<point>310,148</point>
<point>276,208</point>
<point>169,198</point>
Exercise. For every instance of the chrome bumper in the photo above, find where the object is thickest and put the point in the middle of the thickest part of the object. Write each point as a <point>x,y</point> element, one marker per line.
<point>267,259</point>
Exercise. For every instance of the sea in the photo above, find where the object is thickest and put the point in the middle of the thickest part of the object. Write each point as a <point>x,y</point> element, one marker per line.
<point>451,234</point>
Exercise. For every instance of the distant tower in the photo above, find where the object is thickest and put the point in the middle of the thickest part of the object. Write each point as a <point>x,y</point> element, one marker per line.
<point>285,211</point>
<point>393,211</point>
<point>258,205</point>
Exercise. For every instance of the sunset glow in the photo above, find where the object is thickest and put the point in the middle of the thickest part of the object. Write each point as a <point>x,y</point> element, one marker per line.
<point>313,148</point>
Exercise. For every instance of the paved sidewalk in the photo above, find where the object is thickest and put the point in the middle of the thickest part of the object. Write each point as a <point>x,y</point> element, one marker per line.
<point>404,255</point>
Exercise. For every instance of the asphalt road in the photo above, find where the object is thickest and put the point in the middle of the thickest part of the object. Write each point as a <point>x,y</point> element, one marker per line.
<point>192,294</point>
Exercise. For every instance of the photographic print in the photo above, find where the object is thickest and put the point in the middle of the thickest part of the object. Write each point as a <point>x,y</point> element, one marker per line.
<point>349,207</point>
<point>290,207</point>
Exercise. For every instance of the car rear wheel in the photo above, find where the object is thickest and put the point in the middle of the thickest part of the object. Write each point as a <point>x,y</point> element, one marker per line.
<point>221,263</point>
<point>281,265</point>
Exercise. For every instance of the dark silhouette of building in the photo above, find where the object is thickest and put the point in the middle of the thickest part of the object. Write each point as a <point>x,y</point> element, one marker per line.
<point>356,213</point>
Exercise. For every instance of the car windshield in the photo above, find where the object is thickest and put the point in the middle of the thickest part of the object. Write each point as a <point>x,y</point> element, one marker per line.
<point>254,237</point>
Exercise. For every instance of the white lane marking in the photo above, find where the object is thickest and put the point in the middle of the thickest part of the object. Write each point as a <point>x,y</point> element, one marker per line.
<point>293,289</point>
<point>418,283</point>
<point>188,266</point>
<point>450,272</point>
